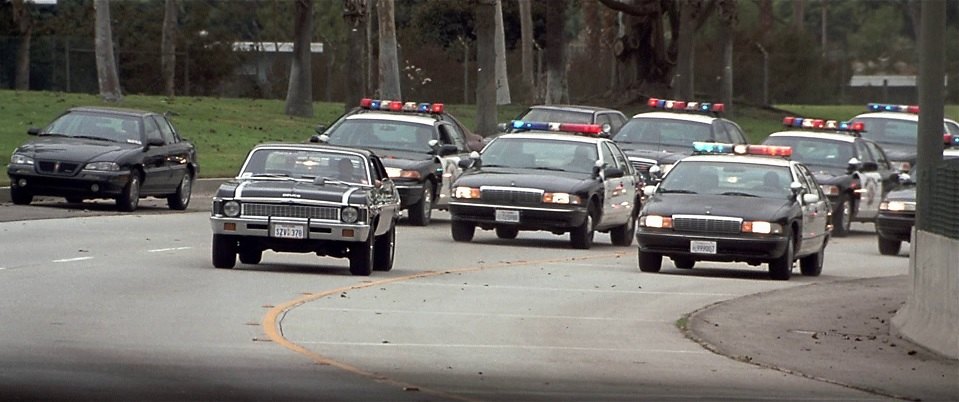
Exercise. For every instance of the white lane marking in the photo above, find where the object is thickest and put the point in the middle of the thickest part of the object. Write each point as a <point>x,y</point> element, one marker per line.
<point>466,314</point>
<point>2,268</point>
<point>160,250</point>
<point>545,289</point>
<point>465,346</point>
<point>74,259</point>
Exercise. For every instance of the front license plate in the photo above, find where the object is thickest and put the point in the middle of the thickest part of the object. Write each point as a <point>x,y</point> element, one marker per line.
<point>702,247</point>
<point>289,231</point>
<point>504,215</point>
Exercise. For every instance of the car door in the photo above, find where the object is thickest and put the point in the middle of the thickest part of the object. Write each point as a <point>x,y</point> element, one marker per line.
<point>178,153</point>
<point>631,179</point>
<point>889,177</point>
<point>815,214</point>
<point>156,169</point>
<point>449,135</point>
<point>385,199</point>
<point>871,182</point>
<point>616,200</point>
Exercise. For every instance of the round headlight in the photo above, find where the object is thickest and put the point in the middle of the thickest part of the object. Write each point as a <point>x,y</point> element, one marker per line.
<point>231,209</point>
<point>349,214</point>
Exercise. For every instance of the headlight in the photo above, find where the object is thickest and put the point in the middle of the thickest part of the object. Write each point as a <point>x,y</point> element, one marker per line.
<point>21,159</point>
<point>561,198</point>
<point>231,209</point>
<point>761,227</point>
<point>402,173</point>
<point>656,221</point>
<point>102,166</point>
<point>466,192</point>
<point>898,206</point>
<point>830,189</point>
<point>393,172</point>
<point>349,215</point>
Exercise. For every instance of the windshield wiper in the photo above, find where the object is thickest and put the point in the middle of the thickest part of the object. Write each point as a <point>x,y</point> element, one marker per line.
<point>52,135</point>
<point>91,137</point>
<point>283,175</point>
<point>738,193</point>
<point>677,191</point>
<point>555,169</point>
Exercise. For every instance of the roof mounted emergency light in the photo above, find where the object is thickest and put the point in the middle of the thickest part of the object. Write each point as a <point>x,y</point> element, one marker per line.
<point>884,107</point>
<point>821,124</point>
<point>398,106</point>
<point>678,105</point>
<point>716,148</point>
<point>576,128</point>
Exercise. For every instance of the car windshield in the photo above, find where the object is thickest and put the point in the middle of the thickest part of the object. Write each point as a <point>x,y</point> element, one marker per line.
<point>98,126</point>
<point>656,131</point>
<point>287,163</point>
<point>383,134</point>
<point>556,116</point>
<point>815,151</point>
<point>727,178</point>
<point>890,131</point>
<point>531,153</point>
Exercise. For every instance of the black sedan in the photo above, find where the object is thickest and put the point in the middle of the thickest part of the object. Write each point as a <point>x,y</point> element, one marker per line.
<point>307,198</point>
<point>611,120</point>
<point>92,152</point>
<point>754,209</point>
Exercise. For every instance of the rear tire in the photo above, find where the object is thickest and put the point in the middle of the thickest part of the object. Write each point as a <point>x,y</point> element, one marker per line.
<point>623,235</point>
<point>684,262</point>
<point>650,262</point>
<point>181,199</point>
<point>889,246</point>
<point>384,250</point>
<point>507,232</point>
<point>361,257</point>
<point>422,211</point>
<point>780,269</point>
<point>811,265</point>
<point>582,236</point>
<point>224,251</point>
<point>462,231</point>
<point>129,199</point>
<point>20,196</point>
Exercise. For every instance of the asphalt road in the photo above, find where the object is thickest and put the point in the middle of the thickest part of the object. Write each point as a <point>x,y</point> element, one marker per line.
<point>120,307</point>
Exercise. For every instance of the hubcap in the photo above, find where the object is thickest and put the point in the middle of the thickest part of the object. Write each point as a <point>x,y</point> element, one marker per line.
<point>185,187</point>
<point>846,210</point>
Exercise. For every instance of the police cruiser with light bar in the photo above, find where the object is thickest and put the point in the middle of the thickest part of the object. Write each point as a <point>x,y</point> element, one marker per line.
<point>544,180</point>
<point>610,120</point>
<point>419,147</point>
<point>735,202</point>
<point>854,172</point>
<point>662,137</point>
<point>896,128</point>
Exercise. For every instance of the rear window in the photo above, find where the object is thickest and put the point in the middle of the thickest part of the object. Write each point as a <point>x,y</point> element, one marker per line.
<point>556,116</point>
<point>664,132</point>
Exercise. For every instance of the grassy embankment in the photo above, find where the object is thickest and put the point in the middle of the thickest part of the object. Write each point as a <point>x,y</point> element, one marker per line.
<point>225,129</point>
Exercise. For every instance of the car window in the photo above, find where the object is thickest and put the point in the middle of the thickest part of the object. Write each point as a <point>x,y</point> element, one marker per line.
<point>383,134</point>
<point>952,127</point>
<point>603,118</point>
<point>863,152</point>
<point>570,156</point>
<point>152,130</point>
<point>878,155</point>
<point>166,131</point>
<point>656,131</point>
<point>728,178</point>
<point>621,161</point>
<point>556,116</point>
<point>306,164</point>
<point>735,132</point>
<point>609,160</point>
<point>889,131</point>
<point>618,120</point>
<point>450,135</point>
<point>719,132</point>
<point>814,151</point>
<point>119,128</point>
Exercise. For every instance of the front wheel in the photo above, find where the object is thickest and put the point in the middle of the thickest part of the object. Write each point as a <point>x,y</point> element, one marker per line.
<point>842,217</point>
<point>361,257</point>
<point>780,269</point>
<point>623,235</point>
<point>650,262</point>
<point>384,250</point>
<point>582,236</point>
<point>20,196</point>
<point>889,246</point>
<point>462,231</point>
<point>251,256</point>
<point>422,211</point>
<point>129,199</point>
<point>224,251</point>
<point>811,265</point>
<point>684,262</point>
<point>181,199</point>
<point>507,232</point>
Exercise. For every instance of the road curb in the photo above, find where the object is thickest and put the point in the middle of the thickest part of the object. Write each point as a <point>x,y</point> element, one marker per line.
<point>200,186</point>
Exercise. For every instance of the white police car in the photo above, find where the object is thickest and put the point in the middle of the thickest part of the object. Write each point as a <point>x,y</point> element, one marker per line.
<point>896,129</point>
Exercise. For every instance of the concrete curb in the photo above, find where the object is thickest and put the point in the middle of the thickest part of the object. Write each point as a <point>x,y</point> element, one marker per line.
<point>200,187</point>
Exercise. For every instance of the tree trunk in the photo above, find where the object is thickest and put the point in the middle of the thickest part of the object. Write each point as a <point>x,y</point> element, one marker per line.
<point>799,14</point>
<point>727,85</point>
<point>502,78</point>
<point>766,20</point>
<point>24,21</point>
<point>168,48</point>
<point>683,79</point>
<point>556,85</point>
<point>526,42</point>
<point>299,94</point>
<point>485,22</point>
<point>355,14</point>
<point>107,77</point>
<point>389,60</point>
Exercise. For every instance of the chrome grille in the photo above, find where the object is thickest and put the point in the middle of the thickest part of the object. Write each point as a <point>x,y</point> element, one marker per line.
<point>291,211</point>
<point>57,167</point>
<point>511,196</point>
<point>705,224</point>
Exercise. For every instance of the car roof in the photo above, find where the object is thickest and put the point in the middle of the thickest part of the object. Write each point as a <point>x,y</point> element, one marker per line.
<point>554,136</point>
<point>406,118</point>
<point>695,117</point>
<point>111,110</point>
<point>575,108</point>
<point>889,115</point>
<point>749,159</point>
<point>314,146</point>
<point>816,134</point>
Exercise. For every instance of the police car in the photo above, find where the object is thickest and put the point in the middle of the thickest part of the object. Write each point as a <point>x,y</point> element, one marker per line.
<point>662,137</point>
<point>896,128</point>
<point>734,202</point>
<point>853,171</point>
<point>610,120</point>
<point>419,149</point>
<point>540,179</point>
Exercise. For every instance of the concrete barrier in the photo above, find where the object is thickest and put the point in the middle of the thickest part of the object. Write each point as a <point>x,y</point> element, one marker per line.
<point>200,187</point>
<point>930,316</point>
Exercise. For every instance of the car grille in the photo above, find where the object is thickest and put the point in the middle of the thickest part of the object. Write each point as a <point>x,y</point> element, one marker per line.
<point>291,211</point>
<point>704,224</point>
<point>526,196</point>
<point>57,167</point>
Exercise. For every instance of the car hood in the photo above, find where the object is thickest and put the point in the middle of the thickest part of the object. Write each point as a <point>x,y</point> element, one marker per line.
<point>291,190</point>
<point>72,149</point>
<point>830,175</point>
<point>766,209</point>
<point>902,194</point>
<point>555,181</point>
<point>402,159</point>
<point>662,154</point>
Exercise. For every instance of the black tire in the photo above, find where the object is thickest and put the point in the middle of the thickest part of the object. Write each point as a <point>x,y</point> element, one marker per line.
<point>251,256</point>
<point>384,250</point>
<point>581,237</point>
<point>623,235</point>
<point>361,257</point>
<point>811,265</point>
<point>889,246</point>
<point>20,196</point>
<point>507,232</point>
<point>224,251</point>
<point>75,200</point>
<point>181,198</point>
<point>422,211</point>
<point>781,268</point>
<point>129,199</point>
<point>684,262</point>
<point>650,262</point>
<point>842,216</point>
<point>462,231</point>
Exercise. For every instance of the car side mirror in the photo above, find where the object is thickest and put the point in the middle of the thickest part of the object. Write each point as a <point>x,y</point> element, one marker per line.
<point>870,166</point>
<point>854,164</point>
<point>905,178</point>
<point>613,173</point>
<point>649,190</point>
<point>320,128</point>
<point>502,127</point>
<point>33,131</point>
<point>155,141</point>
<point>322,138</point>
<point>447,149</point>
<point>655,173</point>
<point>795,188</point>
<point>810,198</point>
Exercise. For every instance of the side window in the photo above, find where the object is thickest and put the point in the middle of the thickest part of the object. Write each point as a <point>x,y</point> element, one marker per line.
<point>166,131</point>
<point>807,180</point>
<point>879,155</point>
<point>608,157</point>
<point>603,118</point>
<point>379,171</point>
<point>618,121</point>
<point>735,133</point>
<point>449,135</point>
<point>719,132</point>
<point>152,130</point>
<point>952,128</point>
<point>863,152</point>
<point>621,159</point>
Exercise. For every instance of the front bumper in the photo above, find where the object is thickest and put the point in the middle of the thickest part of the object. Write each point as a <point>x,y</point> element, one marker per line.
<point>895,226</point>
<point>530,218</point>
<point>314,229</point>
<point>84,184</point>
<point>752,248</point>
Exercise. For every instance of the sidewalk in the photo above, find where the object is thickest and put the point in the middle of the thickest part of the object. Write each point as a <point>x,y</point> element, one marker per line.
<point>836,332</point>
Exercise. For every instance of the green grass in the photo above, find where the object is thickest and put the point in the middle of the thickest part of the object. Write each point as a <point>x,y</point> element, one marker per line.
<point>224,129</point>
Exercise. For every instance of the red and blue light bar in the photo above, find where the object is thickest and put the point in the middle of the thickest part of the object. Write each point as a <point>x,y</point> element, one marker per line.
<point>821,124</point>
<point>679,105</point>
<point>716,148</point>
<point>578,128</point>
<point>398,106</point>
<point>885,107</point>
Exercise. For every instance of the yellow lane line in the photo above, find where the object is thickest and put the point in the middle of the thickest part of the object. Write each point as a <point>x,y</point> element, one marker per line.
<point>271,321</point>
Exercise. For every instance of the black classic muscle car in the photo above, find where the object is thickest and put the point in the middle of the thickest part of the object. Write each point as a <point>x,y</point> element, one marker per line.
<point>306,198</point>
